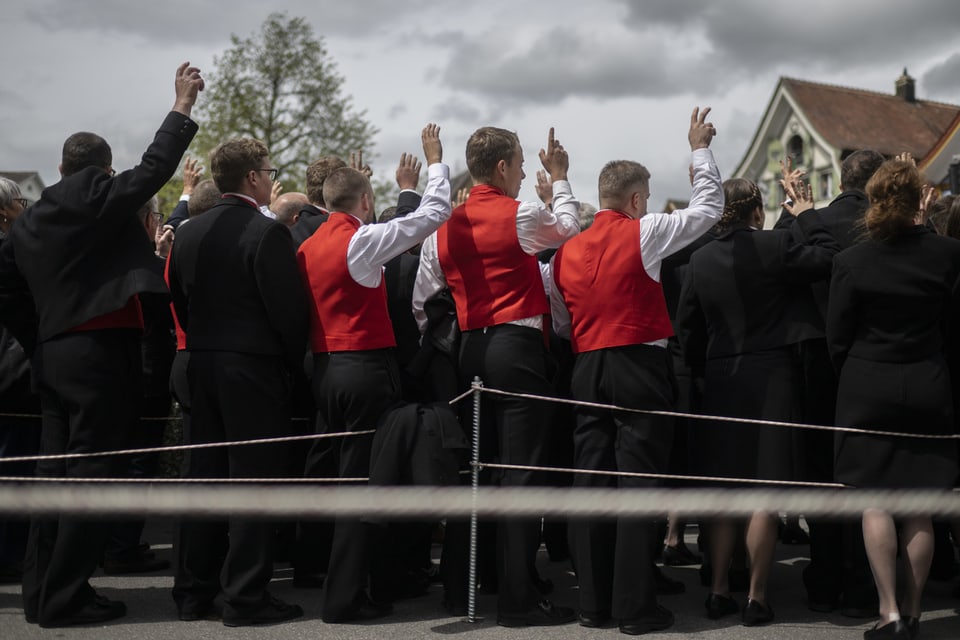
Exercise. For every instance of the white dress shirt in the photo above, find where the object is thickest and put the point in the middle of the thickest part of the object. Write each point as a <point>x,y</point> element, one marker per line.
<point>663,234</point>
<point>374,245</point>
<point>538,229</point>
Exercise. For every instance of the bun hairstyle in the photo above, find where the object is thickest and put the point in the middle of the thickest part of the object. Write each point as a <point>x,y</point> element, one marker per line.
<point>894,192</point>
<point>741,197</point>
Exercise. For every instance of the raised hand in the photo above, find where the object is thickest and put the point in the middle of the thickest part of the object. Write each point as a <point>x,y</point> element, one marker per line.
<point>554,158</point>
<point>799,196</point>
<point>432,149</point>
<point>163,239</point>
<point>187,85</point>
<point>408,171</point>
<point>191,175</point>
<point>701,131</point>
<point>356,162</point>
<point>275,192</point>
<point>906,156</point>
<point>462,194</point>
<point>544,187</point>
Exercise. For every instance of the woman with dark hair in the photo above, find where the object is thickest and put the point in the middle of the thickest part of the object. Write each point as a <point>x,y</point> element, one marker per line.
<point>892,302</point>
<point>739,321</point>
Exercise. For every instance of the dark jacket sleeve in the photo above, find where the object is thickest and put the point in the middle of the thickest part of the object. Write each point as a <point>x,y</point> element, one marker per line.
<point>691,324</point>
<point>841,314</point>
<point>810,260</point>
<point>407,202</point>
<point>180,214</point>
<point>282,291</point>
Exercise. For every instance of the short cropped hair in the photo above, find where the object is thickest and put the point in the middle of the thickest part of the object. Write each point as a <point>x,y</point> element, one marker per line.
<point>343,188</point>
<point>617,180</point>
<point>486,148</point>
<point>82,150</point>
<point>858,168</point>
<point>205,195</point>
<point>232,160</point>
<point>8,191</point>
<point>317,173</point>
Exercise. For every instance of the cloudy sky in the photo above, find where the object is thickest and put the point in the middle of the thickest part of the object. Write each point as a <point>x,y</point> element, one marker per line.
<point>617,78</point>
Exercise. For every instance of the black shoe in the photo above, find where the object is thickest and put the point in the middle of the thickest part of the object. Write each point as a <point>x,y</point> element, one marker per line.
<point>362,610</point>
<point>98,610</point>
<point>274,611</point>
<point>895,629</point>
<point>756,613</point>
<point>679,556</point>
<point>667,586</point>
<point>659,618</point>
<point>719,606</point>
<point>545,614</point>
<point>593,619</point>
<point>307,580</point>
<point>194,610</point>
<point>913,626</point>
<point>140,563</point>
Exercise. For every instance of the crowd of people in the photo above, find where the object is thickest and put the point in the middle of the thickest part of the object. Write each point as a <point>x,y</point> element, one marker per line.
<point>250,307</point>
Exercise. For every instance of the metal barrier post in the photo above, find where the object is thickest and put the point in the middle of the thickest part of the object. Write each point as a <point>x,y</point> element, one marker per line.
<point>475,481</point>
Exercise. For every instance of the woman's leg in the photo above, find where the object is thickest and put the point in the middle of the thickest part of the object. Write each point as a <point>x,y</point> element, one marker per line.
<point>880,540</point>
<point>917,543</point>
<point>761,544</point>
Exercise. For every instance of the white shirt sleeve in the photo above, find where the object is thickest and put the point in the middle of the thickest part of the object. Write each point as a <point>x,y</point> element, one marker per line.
<point>538,228</point>
<point>559,314</point>
<point>374,245</point>
<point>663,234</point>
<point>430,280</point>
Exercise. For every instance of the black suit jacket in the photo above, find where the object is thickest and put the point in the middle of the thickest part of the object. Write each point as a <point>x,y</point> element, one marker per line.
<point>81,249</point>
<point>737,295</point>
<point>843,219</point>
<point>310,219</point>
<point>236,286</point>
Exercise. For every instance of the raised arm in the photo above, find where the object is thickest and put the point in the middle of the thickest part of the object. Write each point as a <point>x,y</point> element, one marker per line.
<point>540,227</point>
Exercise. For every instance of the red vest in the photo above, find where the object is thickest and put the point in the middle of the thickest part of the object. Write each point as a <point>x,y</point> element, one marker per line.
<point>344,315</point>
<point>491,278</point>
<point>612,300</point>
<point>129,316</point>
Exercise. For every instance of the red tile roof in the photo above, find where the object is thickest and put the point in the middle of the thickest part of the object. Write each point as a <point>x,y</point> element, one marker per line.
<point>858,119</point>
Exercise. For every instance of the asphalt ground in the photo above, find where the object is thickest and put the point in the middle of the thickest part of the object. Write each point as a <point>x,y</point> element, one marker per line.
<point>152,615</point>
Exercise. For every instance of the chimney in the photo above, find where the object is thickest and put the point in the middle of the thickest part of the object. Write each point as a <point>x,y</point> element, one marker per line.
<point>906,87</point>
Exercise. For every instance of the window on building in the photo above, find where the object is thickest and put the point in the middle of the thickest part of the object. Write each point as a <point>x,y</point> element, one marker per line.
<point>825,185</point>
<point>795,151</point>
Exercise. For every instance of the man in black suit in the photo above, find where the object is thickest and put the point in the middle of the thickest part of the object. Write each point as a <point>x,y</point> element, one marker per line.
<point>313,215</point>
<point>82,254</point>
<point>838,574</point>
<point>238,296</point>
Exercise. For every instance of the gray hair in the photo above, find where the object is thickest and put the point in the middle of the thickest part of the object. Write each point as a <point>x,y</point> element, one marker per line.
<point>150,206</point>
<point>8,191</point>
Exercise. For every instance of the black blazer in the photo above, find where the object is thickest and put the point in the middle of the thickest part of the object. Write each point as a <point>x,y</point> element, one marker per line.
<point>236,286</point>
<point>895,302</point>
<point>81,249</point>
<point>739,294</point>
<point>310,219</point>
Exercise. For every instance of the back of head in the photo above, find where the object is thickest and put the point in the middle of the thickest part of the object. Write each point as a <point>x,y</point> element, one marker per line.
<point>8,191</point>
<point>343,189</point>
<point>486,148</point>
<point>939,213</point>
<point>618,180</point>
<point>894,194</point>
<point>205,196</point>
<point>586,214</point>
<point>387,214</point>
<point>82,150</point>
<point>317,174</point>
<point>858,167</point>
<point>741,197</point>
<point>287,206</point>
<point>150,206</point>
<point>232,160</point>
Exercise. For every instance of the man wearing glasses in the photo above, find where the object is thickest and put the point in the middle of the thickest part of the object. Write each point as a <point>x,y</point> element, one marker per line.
<point>238,296</point>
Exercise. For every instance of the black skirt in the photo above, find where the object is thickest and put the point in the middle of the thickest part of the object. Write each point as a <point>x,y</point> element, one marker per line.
<point>763,385</point>
<point>912,397</point>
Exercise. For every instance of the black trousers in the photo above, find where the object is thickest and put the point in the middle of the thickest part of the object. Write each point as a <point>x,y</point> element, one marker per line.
<point>352,390</point>
<point>18,437</point>
<point>512,431</point>
<point>614,560</point>
<point>89,383</point>
<point>234,396</point>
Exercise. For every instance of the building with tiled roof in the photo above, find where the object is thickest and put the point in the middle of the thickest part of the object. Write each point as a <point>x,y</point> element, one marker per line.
<point>818,125</point>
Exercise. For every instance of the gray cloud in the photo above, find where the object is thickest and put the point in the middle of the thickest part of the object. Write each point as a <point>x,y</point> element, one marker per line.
<point>943,80</point>
<point>456,109</point>
<point>396,110</point>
